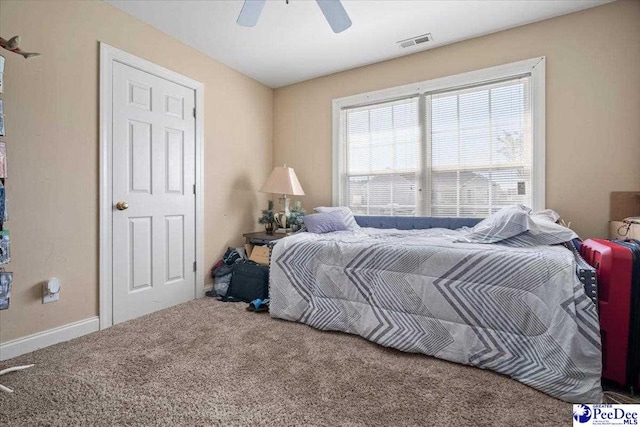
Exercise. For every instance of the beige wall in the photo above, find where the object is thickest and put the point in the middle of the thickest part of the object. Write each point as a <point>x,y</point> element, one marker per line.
<point>51,107</point>
<point>592,111</point>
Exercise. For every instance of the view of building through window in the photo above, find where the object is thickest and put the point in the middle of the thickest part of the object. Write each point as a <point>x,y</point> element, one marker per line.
<point>455,153</point>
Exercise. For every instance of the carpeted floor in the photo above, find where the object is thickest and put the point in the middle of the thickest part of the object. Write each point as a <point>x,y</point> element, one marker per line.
<point>212,363</point>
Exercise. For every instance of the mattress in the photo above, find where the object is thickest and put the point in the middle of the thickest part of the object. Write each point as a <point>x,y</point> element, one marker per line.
<point>521,312</point>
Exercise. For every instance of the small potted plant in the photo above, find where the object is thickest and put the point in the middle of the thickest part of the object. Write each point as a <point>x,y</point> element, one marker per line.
<point>268,218</point>
<point>296,216</point>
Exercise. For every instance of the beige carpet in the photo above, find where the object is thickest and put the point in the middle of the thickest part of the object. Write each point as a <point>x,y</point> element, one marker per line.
<point>212,363</point>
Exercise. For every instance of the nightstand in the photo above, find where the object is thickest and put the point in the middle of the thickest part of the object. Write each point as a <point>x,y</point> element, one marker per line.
<point>262,238</point>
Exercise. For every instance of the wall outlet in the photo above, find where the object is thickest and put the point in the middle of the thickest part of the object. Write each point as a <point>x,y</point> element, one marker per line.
<point>51,290</point>
<point>47,297</point>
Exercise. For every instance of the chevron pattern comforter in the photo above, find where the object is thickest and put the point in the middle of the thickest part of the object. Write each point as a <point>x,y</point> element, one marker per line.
<point>518,311</point>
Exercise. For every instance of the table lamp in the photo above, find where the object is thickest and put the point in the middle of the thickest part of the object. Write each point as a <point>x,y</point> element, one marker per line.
<point>283,180</point>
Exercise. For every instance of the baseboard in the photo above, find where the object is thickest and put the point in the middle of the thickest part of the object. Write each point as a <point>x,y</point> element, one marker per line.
<point>204,290</point>
<point>20,346</point>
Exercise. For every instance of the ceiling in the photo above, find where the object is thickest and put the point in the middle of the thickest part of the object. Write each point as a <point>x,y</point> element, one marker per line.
<point>294,42</point>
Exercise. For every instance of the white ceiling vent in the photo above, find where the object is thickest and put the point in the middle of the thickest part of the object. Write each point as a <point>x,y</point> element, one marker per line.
<point>413,41</point>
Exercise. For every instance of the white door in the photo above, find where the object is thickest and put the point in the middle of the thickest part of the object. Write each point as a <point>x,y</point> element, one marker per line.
<point>154,175</point>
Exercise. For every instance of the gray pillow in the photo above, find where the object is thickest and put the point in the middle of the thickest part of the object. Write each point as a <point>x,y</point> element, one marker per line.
<point>346,213</point>
<point>508,222</point>
<point>325,222</point>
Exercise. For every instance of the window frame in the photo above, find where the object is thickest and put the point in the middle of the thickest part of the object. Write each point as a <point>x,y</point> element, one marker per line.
<point>534,67</point>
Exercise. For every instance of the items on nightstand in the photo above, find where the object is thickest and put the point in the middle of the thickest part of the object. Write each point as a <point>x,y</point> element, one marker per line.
<point>283,180</point>
<point>268,218</point>
<point>296,216</point>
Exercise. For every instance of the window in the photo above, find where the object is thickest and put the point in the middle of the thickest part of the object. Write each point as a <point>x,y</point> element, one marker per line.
<point>382,145</point>
<point>460,146</point>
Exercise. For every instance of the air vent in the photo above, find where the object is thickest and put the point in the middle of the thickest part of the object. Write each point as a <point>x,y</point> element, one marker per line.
<point>413,41</point>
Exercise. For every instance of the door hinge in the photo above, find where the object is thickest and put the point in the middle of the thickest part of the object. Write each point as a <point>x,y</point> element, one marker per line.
<point>194,189</point>
<point>194,266</point>
<point>194,113</point>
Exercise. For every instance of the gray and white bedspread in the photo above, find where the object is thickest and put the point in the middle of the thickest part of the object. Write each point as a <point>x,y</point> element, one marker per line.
<point>518,311</point>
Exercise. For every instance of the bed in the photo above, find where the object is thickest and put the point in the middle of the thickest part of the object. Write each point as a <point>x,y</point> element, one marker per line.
<point>410,284</point>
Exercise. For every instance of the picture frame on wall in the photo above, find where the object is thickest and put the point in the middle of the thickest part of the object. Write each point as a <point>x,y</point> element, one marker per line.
<point>6,278</point>
<point>3,160</point>
<point>1,73</point>
<point>3,205</point>
<point>2,130</point>
<point>5,247</point>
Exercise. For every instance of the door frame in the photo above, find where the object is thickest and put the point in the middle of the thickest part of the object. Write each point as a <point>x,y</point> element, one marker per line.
<point>109,55</point>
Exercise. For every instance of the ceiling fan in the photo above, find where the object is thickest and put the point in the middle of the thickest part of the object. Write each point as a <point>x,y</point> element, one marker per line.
<point>333,11</point>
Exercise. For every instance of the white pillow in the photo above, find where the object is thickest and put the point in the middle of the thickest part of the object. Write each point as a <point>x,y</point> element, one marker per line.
<point>347,215</point>
<point>547,232</point>
<point>549,214</point>
<point>543,231</point>
<point>507,222</point>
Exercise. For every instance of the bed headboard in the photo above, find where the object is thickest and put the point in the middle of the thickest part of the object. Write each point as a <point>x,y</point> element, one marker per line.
<point>414,222</point>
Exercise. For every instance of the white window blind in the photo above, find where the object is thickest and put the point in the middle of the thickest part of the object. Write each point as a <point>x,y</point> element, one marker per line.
<point>480,143</point>
<point>382,150</point>
<point>459,152</point>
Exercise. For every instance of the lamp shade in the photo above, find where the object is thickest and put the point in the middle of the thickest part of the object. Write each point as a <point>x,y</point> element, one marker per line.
<point>283,180</point>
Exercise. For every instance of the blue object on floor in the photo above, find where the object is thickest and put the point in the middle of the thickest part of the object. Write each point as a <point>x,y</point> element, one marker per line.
<point>254,305</point>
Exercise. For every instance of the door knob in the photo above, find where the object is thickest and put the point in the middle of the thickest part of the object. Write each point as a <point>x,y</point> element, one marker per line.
<point>122,206</point>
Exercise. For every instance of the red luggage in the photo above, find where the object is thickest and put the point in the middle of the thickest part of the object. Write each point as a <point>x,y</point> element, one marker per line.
<point>618,270</point>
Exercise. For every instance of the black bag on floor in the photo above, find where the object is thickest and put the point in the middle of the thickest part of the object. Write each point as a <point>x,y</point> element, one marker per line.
<point>249,281</point>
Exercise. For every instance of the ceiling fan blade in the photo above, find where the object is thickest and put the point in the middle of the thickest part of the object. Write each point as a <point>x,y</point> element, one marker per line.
<point>251,10</point>
<point>335,14</point>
